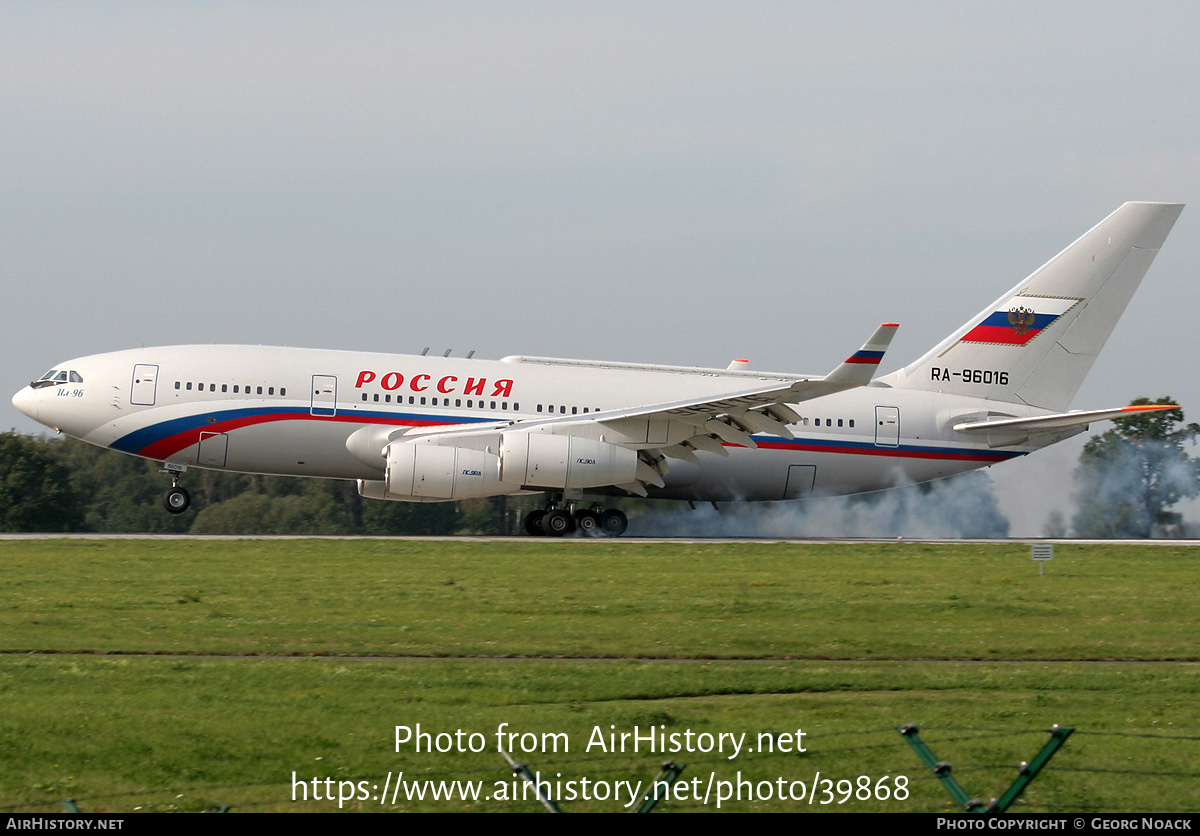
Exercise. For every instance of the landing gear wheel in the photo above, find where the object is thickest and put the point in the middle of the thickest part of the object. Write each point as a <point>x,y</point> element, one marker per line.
<point>176,500</point>
<point>533,523</point>
<point>588,523</point>
<point>556,523</point>
<point>613,522</point>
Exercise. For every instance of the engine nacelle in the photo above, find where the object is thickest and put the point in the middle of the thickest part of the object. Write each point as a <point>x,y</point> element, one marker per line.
<point>377,489</point>
<point>428,470</point>
<point>543,460</point>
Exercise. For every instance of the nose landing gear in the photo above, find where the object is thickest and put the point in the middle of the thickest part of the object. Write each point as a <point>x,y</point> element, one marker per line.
<point>176,500</point>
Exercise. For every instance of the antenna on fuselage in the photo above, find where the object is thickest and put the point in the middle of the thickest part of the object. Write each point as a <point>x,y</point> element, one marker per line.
<point>470,354</point>
<point>447,352</point>
<point>424,351</point>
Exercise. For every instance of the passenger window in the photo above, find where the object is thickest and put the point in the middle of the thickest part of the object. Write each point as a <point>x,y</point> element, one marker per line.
<point>504,404</point>
<point>852,422</point>
<point>574,410</point>
<point>539,405</point>
<point>839,422</point>
<point>235,388</point>
<point>422,401</point>
<point>493,404</point>
<point>189,386</point>
<point>282,392</point>
<point>458,401</point>
<point>260,390</point>
<point>224,387</point>
<point>177,384</point>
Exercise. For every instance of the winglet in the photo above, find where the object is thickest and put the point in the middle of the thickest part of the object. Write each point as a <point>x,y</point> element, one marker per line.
<point>860,366</point>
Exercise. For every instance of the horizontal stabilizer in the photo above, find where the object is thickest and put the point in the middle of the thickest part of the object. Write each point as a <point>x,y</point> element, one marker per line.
<point>1056,422</point>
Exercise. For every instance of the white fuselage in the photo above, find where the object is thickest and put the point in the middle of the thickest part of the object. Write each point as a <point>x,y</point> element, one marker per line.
<point>290,411</point>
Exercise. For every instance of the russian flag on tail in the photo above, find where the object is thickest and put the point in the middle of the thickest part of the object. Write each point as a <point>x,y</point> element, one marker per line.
<point>1019,320</point>
<point>871,358</point>
<point>872,353</point>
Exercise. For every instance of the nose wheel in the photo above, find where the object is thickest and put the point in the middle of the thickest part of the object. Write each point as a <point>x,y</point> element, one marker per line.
<point>176,499</point>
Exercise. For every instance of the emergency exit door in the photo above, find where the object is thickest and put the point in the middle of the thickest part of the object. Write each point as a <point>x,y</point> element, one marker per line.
<point>887,426</point>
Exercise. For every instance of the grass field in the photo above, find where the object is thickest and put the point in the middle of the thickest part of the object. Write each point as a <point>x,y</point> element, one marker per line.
<point>250,670</point>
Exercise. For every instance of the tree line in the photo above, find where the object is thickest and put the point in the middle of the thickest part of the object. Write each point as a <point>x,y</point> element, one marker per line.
<point>65,485</point>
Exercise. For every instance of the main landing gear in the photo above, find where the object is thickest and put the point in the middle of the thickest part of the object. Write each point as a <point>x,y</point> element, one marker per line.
<point>590,522</point>
<point>176,500</point>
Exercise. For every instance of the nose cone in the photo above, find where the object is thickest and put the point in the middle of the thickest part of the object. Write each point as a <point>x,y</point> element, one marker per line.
<point>27,401</point>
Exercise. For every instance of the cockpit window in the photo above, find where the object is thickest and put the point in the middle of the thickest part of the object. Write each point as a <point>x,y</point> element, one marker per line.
<point>57,377</point>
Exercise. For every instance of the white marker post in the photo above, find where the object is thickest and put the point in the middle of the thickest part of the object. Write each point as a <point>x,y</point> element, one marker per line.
<point>1041,553</point>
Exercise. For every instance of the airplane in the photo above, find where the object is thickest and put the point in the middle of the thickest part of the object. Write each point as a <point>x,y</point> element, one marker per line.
<point>582,433</point>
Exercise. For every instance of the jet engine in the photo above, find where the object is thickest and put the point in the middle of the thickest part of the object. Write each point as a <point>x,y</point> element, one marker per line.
<point>543,460</point>
<point>433,471</point>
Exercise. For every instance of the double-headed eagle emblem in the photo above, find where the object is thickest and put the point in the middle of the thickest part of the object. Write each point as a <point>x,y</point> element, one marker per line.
<point>1021,319</point>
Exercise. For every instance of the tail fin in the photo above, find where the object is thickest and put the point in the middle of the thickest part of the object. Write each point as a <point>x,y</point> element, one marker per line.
<point>1036,343</point>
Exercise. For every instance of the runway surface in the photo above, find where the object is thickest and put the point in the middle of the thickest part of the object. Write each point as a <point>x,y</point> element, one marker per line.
<point>607,540</point>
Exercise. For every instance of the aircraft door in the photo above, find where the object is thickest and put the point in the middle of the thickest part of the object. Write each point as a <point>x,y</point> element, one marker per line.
<point>214,447</point>
<point>144,386</point>
<point>887,426</point>
<point>800,481</point>
<point>324,395</point>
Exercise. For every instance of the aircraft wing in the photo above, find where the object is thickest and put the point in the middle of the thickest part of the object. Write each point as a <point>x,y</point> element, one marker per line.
<point>733,417</point>
<point>679,429</point>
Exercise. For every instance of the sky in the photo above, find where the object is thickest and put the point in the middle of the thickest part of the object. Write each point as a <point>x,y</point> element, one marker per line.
<point>678,183</point>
